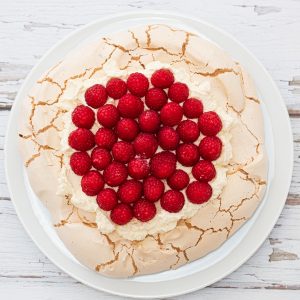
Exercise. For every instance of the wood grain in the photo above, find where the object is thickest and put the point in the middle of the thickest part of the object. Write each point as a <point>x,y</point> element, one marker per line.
<point>270,29</point>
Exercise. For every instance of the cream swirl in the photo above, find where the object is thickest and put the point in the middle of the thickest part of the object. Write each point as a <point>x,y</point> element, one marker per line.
<point>163,221</point>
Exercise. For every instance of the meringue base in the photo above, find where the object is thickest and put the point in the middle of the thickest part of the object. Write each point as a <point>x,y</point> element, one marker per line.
<point>42,120</point>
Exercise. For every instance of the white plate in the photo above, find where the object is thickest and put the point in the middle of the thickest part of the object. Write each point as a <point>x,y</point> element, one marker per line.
<point>233,252</point>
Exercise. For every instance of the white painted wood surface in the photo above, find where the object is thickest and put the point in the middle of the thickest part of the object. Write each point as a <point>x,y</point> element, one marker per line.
<point>270,29</point>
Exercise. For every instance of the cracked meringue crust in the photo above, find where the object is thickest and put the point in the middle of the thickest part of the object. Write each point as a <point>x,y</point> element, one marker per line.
<point>234,92</point>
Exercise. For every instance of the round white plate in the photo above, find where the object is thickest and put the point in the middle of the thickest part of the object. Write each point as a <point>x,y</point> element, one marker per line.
<point>233,252</point>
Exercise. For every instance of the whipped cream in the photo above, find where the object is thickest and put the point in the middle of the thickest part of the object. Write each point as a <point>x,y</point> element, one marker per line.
<point>163,221</point>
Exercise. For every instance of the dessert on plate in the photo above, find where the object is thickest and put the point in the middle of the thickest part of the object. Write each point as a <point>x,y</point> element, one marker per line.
<point>147,148</point>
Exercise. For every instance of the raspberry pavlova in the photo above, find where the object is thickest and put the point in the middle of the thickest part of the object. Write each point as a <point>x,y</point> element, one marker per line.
<point>147,148</point>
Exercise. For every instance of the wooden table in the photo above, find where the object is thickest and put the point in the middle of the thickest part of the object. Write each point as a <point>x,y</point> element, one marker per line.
<point>270,29</point>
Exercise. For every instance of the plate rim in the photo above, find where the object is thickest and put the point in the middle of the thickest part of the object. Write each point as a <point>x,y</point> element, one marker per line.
<point>286,148</point>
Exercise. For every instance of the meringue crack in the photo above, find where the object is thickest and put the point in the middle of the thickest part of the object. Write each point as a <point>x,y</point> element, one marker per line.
<point>216,72</point>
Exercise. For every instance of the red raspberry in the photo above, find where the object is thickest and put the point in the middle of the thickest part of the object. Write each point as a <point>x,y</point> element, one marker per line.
<point>171,114</point>
<point>188,131</point>
<point>210,147</point>
<point>138,84</point>
<point>192,108</point>
<point>115,174</point>
<point>105,138</point>
<point>204,171</point>
<point>116,88</point>
<point>210,123</point>
<point>101,158</point>
<point>153,188</point>
<point>162,78</point>
<point>138,168</point>
<point>178,180</point>
<point>199,192</point>
<point>107,199</point>
<point>83,117</point>
<point>130,106</point>
<point>144,210</point>
<point>127,129</point>
<point>156,98</point>
<point>122,152</point>
<point>81,139</point>
<point>92,183</point>
<point>145,145</point>
<point>187,154</point>
<point>95,96</point>
<point>163,164</point>
<point>130,191</point>
<point>172,201</point>
<point>149,121</point>
<point>108,115</point>
<point>178,92</point>
<point>168,138</point>
<point>80,163</point>
<point>121,214</point>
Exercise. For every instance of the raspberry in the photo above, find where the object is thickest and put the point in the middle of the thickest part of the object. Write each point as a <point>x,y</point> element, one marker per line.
<point>162,78</point>
<point>105,138</point>
<point>153,188</point>
<point>188,131</point>
<point>192,108</point>
<point>130,106</point>
<point>127,129</point>
<point>178,180</point>
<point>163,164</point>
<point>138,168</point>
<point>95,96</point>
<point>156,98</point>
<point>108,115</point>
<point>171,114</point>
<point>204,171</point>
<point>92,183</point>
<point>178,92</point>
<point>81,139</point>
<point>115,174</point>
<point>199,192</point>
<point>116,88</point>
<point>145,145</point>
<point>138,84</point>
<point>130,191</point>
<point>121,214</point>
<point>172,201</point>
<point>149,121</point>
<point>144,210</point>
<point>83,117</point>
<point>80,163</point>
<point>210,147</point>
<point>187,154</point>
<point>101,158</point>
<point>107,199</point>
<point>168,138</point>
<point>210,123</point>
<point>122,151</point>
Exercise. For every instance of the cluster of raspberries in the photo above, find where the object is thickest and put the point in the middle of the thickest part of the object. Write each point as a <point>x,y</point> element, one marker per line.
<point>121,163</point>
